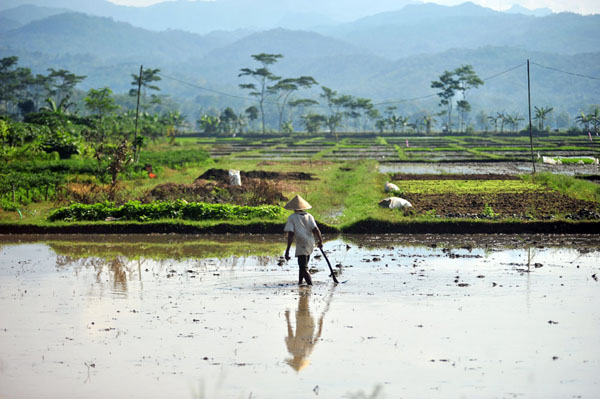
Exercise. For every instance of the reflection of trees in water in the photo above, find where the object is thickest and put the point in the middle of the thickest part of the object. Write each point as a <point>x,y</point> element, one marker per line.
<point>119,270</point>
<point>301,342</point>
<point>377,391</point>
<point>233,262</point>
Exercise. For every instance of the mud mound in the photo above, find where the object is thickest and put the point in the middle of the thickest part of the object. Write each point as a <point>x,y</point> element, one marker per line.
<point>254,192</point>
<point>525,205</point>
<point>489,176</point>
<point>223,175</point>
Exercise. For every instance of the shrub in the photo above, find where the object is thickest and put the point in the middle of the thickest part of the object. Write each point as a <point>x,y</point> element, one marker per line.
<point>135,210</point>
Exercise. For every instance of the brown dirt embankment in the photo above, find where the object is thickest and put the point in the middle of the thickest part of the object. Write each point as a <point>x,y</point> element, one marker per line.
<point>368,226</point>
<point>223,175</point>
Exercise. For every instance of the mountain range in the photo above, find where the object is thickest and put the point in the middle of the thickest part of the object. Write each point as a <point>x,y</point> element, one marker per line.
<point>384,56</point>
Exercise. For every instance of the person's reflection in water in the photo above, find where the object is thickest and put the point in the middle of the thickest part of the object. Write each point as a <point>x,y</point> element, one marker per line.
<point>301,344</point>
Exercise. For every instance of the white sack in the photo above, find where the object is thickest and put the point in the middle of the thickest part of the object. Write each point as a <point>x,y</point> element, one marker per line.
<point>234,177</point>
<point>390,187</point>
<point>395,203</point>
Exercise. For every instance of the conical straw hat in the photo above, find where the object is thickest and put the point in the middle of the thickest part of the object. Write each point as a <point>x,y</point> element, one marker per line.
<point>297,204</point>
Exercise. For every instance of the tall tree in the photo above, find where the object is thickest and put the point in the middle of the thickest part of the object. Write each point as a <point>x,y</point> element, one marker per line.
<point>467,80</point>
<point>284,88</point>
<point>14,82</point>
<point>264,77</point>
<point>462,79</point>
<point>448,85</point>
<point>145,82</point>
<point>335,104</point>
<point>61,83</point>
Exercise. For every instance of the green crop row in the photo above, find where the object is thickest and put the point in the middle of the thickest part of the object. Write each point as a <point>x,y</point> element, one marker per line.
<point>467,186</point>
<point>134,210</point>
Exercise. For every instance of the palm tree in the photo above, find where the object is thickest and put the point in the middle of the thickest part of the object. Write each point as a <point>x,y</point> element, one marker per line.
<point>502,118</point>
<point>514,120</point>
<point>583,120</point>
<point>494,121</point>
<point>594,119</point>
<point>428,121</point>
<point>541,114</point>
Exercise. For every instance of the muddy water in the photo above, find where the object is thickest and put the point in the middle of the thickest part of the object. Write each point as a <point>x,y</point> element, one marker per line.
<point>415,317</point>
<point>492,167</point>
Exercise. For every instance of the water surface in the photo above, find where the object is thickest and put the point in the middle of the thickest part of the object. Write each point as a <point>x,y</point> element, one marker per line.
<point>416,317</point>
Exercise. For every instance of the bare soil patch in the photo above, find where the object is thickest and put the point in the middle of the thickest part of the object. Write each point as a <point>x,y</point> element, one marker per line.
<point>252,192</point>
<point>525,205</point>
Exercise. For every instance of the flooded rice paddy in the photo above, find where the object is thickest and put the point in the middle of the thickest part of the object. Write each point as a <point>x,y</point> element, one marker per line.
<point>509,168</point>
<point>204,317</point>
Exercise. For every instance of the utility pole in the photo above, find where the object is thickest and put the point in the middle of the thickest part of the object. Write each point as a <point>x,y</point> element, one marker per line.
<point>530,128</point>
<point>137,114</point>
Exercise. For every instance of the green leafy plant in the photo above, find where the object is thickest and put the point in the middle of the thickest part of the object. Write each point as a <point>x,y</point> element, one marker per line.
<point>488,211</point>
<point>135,210</point>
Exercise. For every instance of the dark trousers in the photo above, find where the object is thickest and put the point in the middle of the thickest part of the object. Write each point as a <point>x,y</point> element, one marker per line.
<point>303,269</point>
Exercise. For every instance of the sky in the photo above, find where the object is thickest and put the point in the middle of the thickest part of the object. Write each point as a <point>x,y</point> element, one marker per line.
<point>578,6</point>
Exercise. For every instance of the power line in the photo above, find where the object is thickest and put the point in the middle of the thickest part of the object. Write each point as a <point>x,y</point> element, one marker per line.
<point>207,89</point>
<point>503,72</point>
<point>566,72</point>
<point>375,104</point>
<point>406,100</point>
<point>435,94</point>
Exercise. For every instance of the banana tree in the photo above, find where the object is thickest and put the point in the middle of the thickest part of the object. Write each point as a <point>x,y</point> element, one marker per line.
<point>541,114</point>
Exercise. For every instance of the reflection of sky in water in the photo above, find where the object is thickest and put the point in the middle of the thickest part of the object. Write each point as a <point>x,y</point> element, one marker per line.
<point>416,321</point>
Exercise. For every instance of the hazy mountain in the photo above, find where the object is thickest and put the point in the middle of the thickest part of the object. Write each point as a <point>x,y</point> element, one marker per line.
<point>7,24</point>
<point>205,16</point>
<point>95,7</point>
<point>538,12</point>
<point>108,52</point>
<point>107,40</point>
<point>26,13</point>
<point>431,28</point>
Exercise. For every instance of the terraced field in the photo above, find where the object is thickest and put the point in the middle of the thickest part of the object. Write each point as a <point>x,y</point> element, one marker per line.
<point>386,149</point>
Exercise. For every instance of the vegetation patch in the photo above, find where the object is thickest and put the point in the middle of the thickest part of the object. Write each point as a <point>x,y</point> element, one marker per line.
<point>134,210</point>
<point>417,187</point>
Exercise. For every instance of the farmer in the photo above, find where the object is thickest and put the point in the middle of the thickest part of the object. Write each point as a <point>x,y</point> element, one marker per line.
<point>302,226</point>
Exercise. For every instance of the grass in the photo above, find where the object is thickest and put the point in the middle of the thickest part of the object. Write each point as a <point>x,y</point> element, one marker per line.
<point>567,185</point>
<point>353,188</point>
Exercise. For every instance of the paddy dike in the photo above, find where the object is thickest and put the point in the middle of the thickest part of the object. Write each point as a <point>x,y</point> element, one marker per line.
<point>223,175</point>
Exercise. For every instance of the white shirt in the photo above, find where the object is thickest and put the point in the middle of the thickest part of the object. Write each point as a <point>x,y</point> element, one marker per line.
<point>302,225</point>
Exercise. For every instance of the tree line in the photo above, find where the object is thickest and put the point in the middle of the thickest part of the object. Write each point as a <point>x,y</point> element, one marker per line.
<point>280,103</point>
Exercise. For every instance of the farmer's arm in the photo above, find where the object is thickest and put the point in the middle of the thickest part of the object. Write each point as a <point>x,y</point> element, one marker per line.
<point>318,236</point>
<point>289,244</point>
